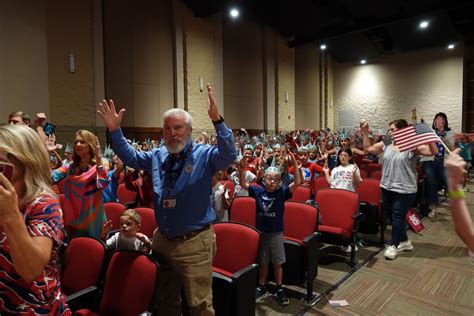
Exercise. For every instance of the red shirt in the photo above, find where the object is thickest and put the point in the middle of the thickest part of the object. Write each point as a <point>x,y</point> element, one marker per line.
<point>310,172</point>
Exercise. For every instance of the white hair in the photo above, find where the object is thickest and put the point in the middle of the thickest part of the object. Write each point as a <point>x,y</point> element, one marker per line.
<point>188,120</point>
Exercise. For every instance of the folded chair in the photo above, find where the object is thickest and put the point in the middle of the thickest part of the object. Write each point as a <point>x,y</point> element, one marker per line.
<point>301,245</point>
<point>340,217</point>
<point>371,206</point>
<point>83,263</point>
<point>129,287</point>
<point>234,271</point>
<point>243,210</point>
<point>148,225</point>
<point>113,210</point>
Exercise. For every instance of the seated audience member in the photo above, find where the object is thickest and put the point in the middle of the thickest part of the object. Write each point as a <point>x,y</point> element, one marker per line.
<point>128,237</point>
<point>455,167</point>
<point>31,227</point>
<point>19,118</point>
<point>140,181</point>
<point>67,156</point>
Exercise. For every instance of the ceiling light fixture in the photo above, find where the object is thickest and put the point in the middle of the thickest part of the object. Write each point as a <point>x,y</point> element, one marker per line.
<point>363,61</point>
<point>451,46</point>
<point>323,47</point>
<point>234,13</point>
<point>424,24</point>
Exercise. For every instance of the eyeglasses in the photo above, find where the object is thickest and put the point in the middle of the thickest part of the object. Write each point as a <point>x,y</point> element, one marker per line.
<point>270,179</point>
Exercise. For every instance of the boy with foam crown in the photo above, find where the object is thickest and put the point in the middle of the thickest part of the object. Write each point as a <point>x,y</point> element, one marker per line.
<point>270,200</point>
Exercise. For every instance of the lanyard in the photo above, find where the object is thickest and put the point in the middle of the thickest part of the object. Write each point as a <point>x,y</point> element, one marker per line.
<point>171,175</point>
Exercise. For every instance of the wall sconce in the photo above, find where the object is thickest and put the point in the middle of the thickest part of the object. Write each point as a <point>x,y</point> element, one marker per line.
<point>286,96</point>
<point>72,63</point>
<point>201,84</point>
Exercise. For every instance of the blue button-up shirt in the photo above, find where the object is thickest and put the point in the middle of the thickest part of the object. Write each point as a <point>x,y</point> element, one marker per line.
<point>192,189</point>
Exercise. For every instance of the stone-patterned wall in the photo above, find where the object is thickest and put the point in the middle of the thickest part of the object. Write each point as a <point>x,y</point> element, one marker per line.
<point>430,80</point>
<point>285,82</point>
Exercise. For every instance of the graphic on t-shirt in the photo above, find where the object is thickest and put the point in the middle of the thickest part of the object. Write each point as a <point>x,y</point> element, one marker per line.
<point>306,174</point>
<point>267,203</point>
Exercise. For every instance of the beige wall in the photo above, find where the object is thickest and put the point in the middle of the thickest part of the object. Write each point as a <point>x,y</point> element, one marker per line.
<point>307,87</point>
<point>138,42</point>
<point>23,58</point>
<point>243,75</point>
<point>285,74</point>
<point>430,80</point>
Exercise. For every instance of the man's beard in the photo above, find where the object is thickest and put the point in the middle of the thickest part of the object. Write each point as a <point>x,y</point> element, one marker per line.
<point>175,149</point>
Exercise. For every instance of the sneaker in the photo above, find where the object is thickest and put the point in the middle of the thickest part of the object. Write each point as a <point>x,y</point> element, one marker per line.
<point>260,290</point>
<point>390,252</point>
<point>405,246</point>
<point>432,214</point>
<point>281,297</point>
<point>348,249</point>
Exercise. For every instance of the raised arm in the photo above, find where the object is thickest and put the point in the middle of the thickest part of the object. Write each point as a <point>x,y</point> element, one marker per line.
<point>297,173</point>
<point>376,148</point>
<point>241,171</point>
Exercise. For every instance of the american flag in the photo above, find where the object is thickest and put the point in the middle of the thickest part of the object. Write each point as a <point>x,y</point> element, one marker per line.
<point>410,137</point>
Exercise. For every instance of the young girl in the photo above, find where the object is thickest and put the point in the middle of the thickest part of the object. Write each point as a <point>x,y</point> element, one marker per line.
<point>270,200</point>
<point>128,237</point>
<point>346,175</point>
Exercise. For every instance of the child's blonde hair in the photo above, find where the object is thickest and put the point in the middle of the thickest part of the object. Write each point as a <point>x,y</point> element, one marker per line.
<point>133,215</point>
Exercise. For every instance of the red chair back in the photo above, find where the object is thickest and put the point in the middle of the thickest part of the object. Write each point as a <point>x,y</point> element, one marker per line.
<point>320,183</point>
<point>129,284</point>
<point>300,220</point>
<point>83,264</point>
<point>229,184</point>
<point>302,193</point>
<point>125,196</point>
<point>244,210</point>
<point>337,207</point>
<point>373,167</point>
<point>148,225</point>
<point>369,191</point>
<point>113,210</point>
<point>237,246</point>
<point>377,174</point>
<point>363,174</point>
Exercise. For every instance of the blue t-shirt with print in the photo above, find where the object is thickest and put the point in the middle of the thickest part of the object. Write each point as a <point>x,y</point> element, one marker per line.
<point>270,206</point>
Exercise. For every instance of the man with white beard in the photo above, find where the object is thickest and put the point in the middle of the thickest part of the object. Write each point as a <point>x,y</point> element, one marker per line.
<point>182,171</point>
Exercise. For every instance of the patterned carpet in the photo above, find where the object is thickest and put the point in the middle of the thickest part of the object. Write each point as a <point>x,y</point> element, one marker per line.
<point>436,278</point>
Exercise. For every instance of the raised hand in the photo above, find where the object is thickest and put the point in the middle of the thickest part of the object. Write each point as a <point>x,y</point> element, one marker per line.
<point>455,167</point>
<point>212,109</point>
<point>108,114</point>
<point>8,199</point>
<point>40,118</point>
<point>51,143</point>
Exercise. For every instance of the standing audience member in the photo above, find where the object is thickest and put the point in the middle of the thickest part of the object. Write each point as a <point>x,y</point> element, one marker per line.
<point>19,118</point>
<point>270,201</point>
<point>182,171</point>
<point>398,183</point>
<point>30,227</point>
<point>85,178</point>
<point>466,153</point>
<point>434,172</point>
<point>455,167</point>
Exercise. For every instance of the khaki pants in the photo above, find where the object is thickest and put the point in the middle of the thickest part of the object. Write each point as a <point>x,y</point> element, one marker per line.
<point>185,266</point>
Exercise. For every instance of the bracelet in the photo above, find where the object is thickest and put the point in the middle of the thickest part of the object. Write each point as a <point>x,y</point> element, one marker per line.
<point>459,194</point>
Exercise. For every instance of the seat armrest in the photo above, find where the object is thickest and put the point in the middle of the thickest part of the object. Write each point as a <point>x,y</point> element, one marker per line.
<point>358,216</point>
<point>86,298</point>
<point>245,270</point>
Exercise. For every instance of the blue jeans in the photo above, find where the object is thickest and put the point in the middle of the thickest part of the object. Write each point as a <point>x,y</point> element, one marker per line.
<point>397,204</point>
<point>431,182</point>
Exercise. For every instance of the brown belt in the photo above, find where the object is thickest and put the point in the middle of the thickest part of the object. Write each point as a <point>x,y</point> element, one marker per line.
<point>186,236</point>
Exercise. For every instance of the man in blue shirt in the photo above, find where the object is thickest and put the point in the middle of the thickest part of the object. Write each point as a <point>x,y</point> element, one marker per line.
<point>182,171</point>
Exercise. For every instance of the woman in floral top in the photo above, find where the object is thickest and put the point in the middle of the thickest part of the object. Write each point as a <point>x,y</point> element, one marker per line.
<point>30,227</point>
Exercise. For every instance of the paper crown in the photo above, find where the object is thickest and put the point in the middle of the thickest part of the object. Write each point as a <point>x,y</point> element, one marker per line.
<point>303,149</point>
<point>68,149</point>
<point>276,146</point>
<point>108,152</point>
<point>248,147</point>
<point>272,168</point>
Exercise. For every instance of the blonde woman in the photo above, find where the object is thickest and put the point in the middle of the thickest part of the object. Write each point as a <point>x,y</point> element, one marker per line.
<point>30,227</point>
<point>85,177</point>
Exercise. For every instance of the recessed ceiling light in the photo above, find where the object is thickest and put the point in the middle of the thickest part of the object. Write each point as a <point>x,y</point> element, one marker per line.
<point>363,61</point>
<point>323,47</point>
<point>234,13</point>
<point>424,24</point>
<point>451,46</point>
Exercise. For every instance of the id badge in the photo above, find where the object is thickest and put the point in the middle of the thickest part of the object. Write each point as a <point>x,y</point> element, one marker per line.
<point>169,203</point>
